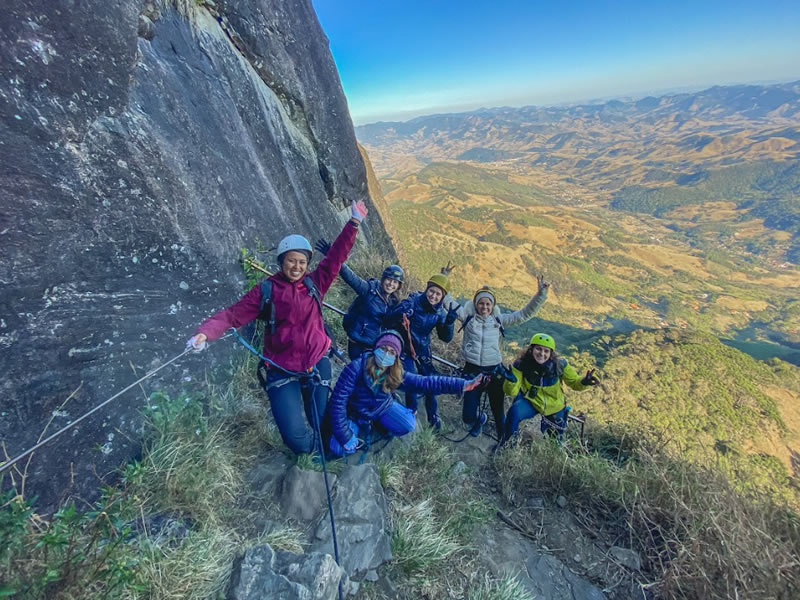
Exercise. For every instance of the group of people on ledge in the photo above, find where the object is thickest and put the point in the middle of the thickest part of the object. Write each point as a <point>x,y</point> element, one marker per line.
<point>389,348</point>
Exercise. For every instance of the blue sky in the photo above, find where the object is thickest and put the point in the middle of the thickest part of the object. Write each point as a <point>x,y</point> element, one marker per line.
<point>398,60</point>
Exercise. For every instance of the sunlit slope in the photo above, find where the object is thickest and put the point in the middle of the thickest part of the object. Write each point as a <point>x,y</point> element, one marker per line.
<point>605,266</point>
<point>704,399</point>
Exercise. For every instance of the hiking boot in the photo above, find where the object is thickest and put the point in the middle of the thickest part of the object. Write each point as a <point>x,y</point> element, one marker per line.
<point>478,427</point>
<point>435,422</point>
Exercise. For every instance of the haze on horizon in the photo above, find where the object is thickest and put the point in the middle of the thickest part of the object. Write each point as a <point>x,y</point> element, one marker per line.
<point>401,60</point>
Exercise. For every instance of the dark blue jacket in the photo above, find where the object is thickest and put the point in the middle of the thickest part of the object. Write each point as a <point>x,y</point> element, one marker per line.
<point>354,398</point>
<point>423,318</point>
<point>364,318</point>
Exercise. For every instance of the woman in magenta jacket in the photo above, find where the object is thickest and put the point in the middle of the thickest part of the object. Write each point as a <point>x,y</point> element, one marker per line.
<point>299,342</point>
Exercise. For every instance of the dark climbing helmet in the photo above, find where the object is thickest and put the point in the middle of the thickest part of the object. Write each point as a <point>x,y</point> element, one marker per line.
<point>393,272</point>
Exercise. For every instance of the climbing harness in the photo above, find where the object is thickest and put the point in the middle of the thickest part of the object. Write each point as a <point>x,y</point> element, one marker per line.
<point>314,376</point>
<point>7,465</point>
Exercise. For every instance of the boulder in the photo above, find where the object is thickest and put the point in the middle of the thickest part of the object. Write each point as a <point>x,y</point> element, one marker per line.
<point>303,494</point>
<point>362,522</point>
<point>505,552</point>
<point>626,557</point>
<point>265,573</point>
<point>548,577</point>
<point>266,477</point>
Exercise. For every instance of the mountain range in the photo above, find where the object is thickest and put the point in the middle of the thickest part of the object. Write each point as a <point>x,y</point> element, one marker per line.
<point>664,226</point>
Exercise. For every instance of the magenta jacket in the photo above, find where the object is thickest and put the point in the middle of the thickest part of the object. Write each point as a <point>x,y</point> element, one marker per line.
<point>300,340</point>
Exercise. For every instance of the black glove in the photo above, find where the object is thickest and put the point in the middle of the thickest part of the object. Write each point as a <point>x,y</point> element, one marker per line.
<point>504,372</point>
<point>322,246</point>
<point>590,378</point>
<point>452,315</point>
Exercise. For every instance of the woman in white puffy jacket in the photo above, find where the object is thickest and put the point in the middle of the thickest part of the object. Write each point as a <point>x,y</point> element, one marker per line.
<point>483,324</point>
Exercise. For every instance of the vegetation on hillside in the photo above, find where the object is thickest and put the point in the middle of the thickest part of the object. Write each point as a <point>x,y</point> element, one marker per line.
<point>461,178</point>
<point>171,525</point>
<point>687,271</point>
<point>770,190</point>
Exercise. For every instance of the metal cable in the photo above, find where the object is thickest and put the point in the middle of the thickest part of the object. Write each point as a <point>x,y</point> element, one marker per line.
<point>50,438</point>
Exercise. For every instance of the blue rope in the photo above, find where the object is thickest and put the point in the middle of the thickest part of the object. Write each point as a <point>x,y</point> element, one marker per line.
<point>327,487</point>
<point>315,377</point>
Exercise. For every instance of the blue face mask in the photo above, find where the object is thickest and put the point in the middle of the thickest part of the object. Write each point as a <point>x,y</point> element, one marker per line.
<point>383,358</point>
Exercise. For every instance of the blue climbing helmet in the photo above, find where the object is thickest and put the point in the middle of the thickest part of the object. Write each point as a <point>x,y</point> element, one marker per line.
<point>294,242</point>
<point>393,272</point>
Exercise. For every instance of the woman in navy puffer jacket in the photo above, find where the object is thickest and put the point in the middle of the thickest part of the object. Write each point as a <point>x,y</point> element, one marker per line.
<point>363,319</point>
<point>374,298</point>
<point>419,315</point>
<point>364,395</point>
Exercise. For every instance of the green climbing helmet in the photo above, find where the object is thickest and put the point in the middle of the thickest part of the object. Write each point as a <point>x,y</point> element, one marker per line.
<point>542,339</point>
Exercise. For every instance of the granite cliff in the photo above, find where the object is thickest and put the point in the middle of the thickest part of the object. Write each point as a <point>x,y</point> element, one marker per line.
<point>143,144</point>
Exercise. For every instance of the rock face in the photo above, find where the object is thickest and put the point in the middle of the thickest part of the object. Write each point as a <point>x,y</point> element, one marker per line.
<point>543,575</point>
<point>362,522</point>
<point>303,493</point>
<point>264,573</point>
<point>142,144</point>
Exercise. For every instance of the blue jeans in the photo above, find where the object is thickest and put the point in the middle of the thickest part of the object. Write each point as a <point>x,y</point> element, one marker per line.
<point>412,398</point>
<point>290,399</point>
<point>397,421</point>
<point>494,389</point>
<point>522,409</point>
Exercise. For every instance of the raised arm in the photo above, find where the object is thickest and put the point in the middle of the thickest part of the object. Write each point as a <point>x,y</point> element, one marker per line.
<point>530,309</point>
<point>328,268</point>
<point>576,382</point>
<point>337,405</point>
<point>360,286</point>
<point>445,327</point>
<point>449,303</point>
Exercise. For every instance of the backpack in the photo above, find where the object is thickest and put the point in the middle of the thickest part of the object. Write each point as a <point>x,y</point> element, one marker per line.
<point>349,319</point>
<point>496,318</point>
<point>266,312</point>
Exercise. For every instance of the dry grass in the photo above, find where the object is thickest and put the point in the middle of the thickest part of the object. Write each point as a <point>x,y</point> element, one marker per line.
<point>699,537</point>
<point>194,474</point>
<point>196,569</point>
<point>507,588</point>
<point>420,541</point>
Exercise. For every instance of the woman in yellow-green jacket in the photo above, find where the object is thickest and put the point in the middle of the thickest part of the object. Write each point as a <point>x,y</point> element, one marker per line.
<point>538,390</point>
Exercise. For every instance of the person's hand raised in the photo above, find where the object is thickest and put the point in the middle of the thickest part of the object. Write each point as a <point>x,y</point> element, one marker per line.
<point>543,285</point>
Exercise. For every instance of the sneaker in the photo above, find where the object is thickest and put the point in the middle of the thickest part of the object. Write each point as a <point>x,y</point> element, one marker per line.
<point>435,422</point>
<point>478,427</point>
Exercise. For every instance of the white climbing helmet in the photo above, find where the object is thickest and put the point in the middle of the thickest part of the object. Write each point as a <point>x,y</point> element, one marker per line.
<point>294,242</point>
